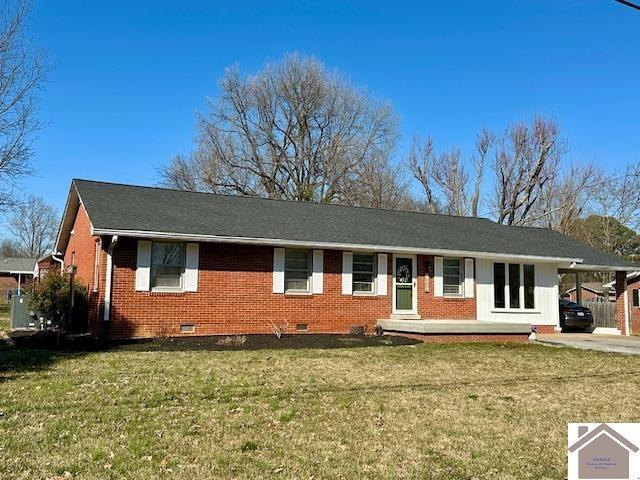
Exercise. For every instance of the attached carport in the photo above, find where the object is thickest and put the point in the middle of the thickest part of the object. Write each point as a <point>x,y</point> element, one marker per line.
<point>620,268</point>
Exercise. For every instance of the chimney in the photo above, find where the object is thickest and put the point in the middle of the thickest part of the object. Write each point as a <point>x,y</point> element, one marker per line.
<point>582,429</point>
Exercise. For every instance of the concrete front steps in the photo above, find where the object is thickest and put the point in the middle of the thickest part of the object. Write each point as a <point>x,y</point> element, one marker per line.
<point>450,331</point>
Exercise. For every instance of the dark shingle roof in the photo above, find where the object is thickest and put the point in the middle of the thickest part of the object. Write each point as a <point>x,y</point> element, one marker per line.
<point>15,264</point>
<point>125,207</point>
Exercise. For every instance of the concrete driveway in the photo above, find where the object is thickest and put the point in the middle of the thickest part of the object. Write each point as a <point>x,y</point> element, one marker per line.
<point>588,341</point>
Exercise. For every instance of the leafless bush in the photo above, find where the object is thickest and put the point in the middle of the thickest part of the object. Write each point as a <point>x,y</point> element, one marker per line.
<point>278,329</point>
<point>162,331</point>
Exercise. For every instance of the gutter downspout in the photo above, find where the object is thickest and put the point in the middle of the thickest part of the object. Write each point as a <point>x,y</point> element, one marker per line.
<point>59,260</point>
<point>108,279</point>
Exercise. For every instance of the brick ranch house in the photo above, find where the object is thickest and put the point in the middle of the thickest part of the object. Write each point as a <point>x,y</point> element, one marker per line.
<point>166,262</point>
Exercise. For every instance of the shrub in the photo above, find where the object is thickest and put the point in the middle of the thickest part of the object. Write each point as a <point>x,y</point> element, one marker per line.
<point>50,298</point>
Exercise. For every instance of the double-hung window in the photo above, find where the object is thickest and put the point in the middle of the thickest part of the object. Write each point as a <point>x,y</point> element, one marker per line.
<point>452,276</point>
<point>167,265</point>
<point>363,273</point>
<point>297,270</point>
<point>635,293</point>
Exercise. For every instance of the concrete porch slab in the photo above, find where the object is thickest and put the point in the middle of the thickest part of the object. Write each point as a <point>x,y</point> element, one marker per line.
<point>453,327</point>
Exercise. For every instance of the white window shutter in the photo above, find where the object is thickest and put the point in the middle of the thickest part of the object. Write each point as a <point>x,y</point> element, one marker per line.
<point>347,273</point>
<point>143,266</point>
<point>316,279</point>
<point>382,274</point>
<point>278,270</point>
<point>437,277</point>
<point>191,267</point>
<point>468,277</point>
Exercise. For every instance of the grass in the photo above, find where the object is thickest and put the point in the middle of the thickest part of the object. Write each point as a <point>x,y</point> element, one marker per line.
<point>5,308</point>
<point>443,412</point>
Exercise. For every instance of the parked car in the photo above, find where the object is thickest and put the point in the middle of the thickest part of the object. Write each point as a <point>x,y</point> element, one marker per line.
<point>573,315</point>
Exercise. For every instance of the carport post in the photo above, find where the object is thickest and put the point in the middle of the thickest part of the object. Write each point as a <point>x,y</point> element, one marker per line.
<point>19,284</point>
<point>622,303</point>
<point>578,288</point>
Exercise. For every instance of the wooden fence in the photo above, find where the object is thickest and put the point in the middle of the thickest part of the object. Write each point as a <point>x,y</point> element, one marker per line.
<point>604,313</point>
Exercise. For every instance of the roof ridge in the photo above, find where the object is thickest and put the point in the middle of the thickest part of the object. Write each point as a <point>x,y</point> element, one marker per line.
<point>284,200</point>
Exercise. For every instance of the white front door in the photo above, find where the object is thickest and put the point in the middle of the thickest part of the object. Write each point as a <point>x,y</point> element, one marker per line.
<point>405,290</point>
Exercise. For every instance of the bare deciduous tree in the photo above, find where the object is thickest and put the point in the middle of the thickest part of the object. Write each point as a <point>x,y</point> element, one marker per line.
<point>22,71</point>
<point>293,131</point>
<point>445,180</point>
<point>421,163</point>
<point>565,199</point>
<point>614,208</point>
<point>618,195</point>
<point>9,248</point>
<point>34,225</point>
<point>526,161</point>
<point>380,185</point>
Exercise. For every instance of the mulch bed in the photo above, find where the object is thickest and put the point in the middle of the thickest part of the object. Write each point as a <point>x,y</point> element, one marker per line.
<point>216,343</point>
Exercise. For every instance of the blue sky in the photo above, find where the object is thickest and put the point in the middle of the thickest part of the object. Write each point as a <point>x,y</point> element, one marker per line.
<point>131,75</point>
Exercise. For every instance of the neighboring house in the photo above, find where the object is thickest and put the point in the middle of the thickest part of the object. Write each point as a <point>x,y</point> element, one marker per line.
<point>591,292</point>
<point>602,453</point>
<point>45,264</point>
<point>14,273</point>
<point>167,262</point>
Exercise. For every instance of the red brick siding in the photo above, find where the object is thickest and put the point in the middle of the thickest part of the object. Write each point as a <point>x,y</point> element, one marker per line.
<point>545,329</point>
<point>235,296</point>
<point>7,282</point>
<point>81,253</point>
<point>443,308</point>
<point>620,286</point>
<point>634,312</point>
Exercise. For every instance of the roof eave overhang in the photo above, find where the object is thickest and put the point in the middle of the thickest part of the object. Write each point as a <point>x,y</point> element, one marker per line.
<point>582,267</point>
<point>329,245</point>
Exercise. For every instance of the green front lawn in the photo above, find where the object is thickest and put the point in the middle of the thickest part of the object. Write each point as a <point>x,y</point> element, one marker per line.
<point>485,411</point>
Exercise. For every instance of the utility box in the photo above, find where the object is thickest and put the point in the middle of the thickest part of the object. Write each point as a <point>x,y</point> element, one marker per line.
<point>21,315</point>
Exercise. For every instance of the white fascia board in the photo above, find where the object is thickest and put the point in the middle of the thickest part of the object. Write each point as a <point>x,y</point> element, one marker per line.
<point>329,245</point>
<point>600,268</point>
<point>72,205</point>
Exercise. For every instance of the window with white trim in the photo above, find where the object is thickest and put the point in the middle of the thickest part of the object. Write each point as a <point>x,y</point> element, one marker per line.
<point>499,285</point>
<point>167,265</point>
<point>635,293</point>
<point>452,278</point>
<point>514,286</point>
<point>363,273</point>
<point>529,277</point>
<point>297,270</point>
